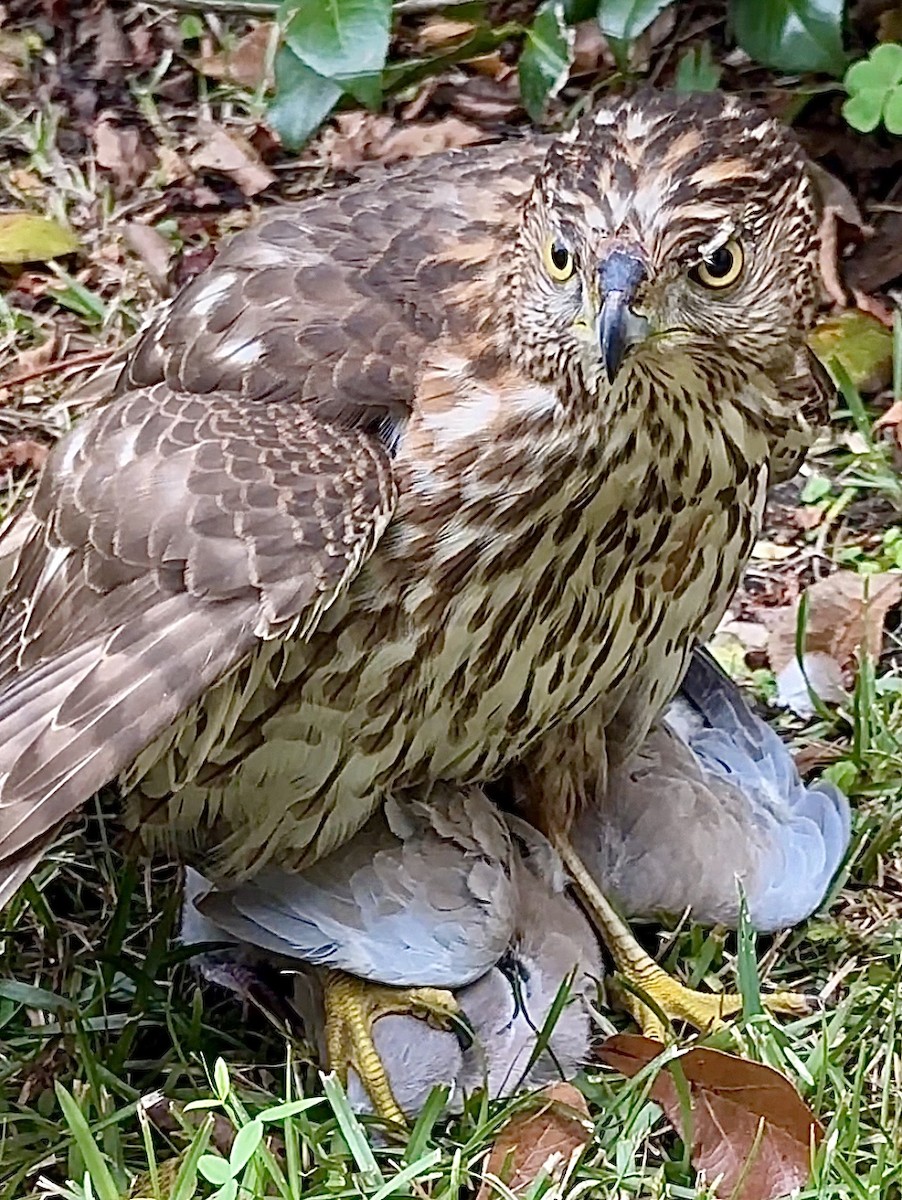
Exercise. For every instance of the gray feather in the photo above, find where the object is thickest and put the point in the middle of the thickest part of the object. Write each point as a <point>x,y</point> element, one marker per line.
<point>713,799</point>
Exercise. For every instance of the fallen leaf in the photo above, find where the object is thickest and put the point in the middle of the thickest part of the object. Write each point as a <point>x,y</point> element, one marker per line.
<point>767,551</point>
<point>248,64</point>
<point>846,612</point>
<point>32,360</point>
<point>367,137</point>
<point>591,51</point>
<point>232,155</point>
<point>25,452</point>
<point>26,237</point>
<point>118,149</point>
<point>170,166</point>
<point>892,421</point>
<point>752,1134</point>
<point>542,1138</point>
<point>113,50</point>
<point>15,51</point>
<point>153,249</point>
<point>860,344</point>
<point>878,261</point>
<point>841,225</point>
<point>442,31</point>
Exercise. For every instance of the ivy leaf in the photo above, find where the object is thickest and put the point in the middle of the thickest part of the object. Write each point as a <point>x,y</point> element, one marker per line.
<point>544,64</point>
<point>791,35</point>
<point>302,101</point>
<point>343,40</point>
<point>624,20</point>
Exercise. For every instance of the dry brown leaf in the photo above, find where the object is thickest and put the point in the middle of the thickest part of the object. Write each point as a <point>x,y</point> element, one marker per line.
<point>892,420</point>
<point>591,51</point>
<point>845,611</point>
<point>32,360</point>
<point>879,260</point>
<point>841,224</point>
<point>248,63</point>
<point>118,150</point>
<point>232,155</point>
<point>170,165</point>
<point>483,99</point>
<point>874,306</point>
<point>542,1138</point>
<point>751,1130</point>
<point>14,56</point>
<point>24,452</point>
<point>113,50</point>
<point>367,137</point>
<point>442,31</point>
<point>153,249</point>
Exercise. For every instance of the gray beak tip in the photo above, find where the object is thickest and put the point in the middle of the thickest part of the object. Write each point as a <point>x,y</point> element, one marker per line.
<point>619,277</point>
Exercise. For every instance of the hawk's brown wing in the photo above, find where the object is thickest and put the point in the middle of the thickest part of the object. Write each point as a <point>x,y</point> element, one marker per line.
<point>174,532</point>
<point>235,471</point>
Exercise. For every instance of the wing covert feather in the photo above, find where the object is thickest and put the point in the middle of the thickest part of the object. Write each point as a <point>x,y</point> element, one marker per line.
<point>173,532</point>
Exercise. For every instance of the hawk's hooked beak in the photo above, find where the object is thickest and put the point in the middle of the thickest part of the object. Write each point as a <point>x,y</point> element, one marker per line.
<point>619,277</point>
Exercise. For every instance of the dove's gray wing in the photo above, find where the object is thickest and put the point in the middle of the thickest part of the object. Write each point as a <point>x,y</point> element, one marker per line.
<point>508,1007</point>
<point>423,895</point>
<point>713,797</point>
<point>546,941</point>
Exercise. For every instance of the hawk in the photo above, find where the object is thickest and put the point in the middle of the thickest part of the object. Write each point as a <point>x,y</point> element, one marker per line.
<point>431,480</point>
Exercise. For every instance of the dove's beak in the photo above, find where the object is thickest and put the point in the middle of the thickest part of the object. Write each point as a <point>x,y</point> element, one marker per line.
<point>619,328</point>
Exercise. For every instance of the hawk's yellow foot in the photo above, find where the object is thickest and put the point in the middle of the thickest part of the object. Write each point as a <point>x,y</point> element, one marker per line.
<point>646,980</point>
<point>352,1007</point>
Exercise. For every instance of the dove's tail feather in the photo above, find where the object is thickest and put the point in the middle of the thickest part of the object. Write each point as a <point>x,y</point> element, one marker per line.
<point>811,825</point>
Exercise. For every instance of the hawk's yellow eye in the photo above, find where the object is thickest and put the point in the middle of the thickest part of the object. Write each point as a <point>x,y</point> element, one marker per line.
<point>721,268</point>
<point>558,260</point>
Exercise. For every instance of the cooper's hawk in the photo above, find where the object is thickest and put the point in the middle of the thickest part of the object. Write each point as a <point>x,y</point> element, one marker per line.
<point>450,895</point>
<point>422,480</point>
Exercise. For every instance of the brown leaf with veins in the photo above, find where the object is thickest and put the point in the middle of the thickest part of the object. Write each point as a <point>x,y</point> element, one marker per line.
<point>232,155</point>
<point>543,1137</point>
<point>368,137</point>
<point>118,149</point>
<point>751,1132</point>
<point>248,63</point>
<point>846,612</point>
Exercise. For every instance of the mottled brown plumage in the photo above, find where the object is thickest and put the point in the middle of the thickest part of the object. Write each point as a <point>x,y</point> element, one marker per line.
<point>371,505</point>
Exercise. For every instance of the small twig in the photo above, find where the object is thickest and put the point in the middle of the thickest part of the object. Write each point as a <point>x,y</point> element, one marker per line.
<point>60,364</point>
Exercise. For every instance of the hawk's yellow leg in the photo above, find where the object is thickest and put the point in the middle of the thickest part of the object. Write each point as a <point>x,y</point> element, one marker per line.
<point>352,1008</point>
<point>703,1010</point>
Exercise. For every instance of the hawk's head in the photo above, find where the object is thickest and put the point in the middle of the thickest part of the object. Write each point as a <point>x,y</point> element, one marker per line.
<point>666,225</point>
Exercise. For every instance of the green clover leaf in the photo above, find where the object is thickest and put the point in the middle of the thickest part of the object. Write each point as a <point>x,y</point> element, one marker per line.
<point>875,90</point>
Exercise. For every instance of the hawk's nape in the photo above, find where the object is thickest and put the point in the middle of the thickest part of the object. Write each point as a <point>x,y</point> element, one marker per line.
<point>175,533</point>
